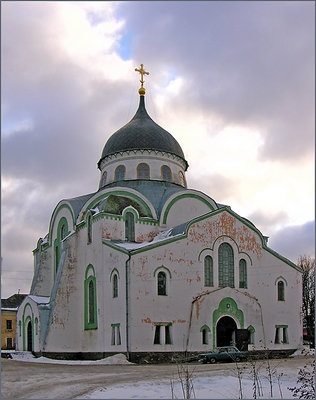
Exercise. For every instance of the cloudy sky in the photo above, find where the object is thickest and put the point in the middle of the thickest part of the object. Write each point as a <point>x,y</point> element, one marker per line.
<point>232,81</point>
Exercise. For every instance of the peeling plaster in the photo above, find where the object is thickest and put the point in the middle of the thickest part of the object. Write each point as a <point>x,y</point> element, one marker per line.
<point>216,228</point>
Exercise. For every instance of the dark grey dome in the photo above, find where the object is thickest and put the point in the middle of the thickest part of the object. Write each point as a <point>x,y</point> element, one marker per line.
<point>142,133</point>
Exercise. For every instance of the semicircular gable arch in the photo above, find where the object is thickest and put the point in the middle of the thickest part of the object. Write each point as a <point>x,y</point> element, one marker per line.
<point>233,242</point>
<point>62,210</point>
<point>187,194</point>
<point>126,192</point>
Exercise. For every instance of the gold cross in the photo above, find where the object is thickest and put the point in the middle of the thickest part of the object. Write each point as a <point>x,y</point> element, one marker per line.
<point>142,73</point>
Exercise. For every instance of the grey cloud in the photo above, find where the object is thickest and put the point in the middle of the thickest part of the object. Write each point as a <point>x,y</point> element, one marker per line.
<point>250,62</point>
<point>17,260</point>
<point>245,62</point>
<point>267,222</point>
<point>217,186</point>
<point>294,241</point>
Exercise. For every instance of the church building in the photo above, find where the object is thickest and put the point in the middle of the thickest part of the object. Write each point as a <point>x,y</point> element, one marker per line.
<point>148,267</point>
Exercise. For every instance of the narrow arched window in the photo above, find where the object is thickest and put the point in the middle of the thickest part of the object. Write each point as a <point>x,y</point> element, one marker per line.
<point>120,173</point>
<point>57,256</point>
<point>208,271</point>
<point>281,296</point>
<point>166,173</point>
<point>143,171</point>
<point>90,299</point>
<point>91,303</point>
<point>130,227</point>
<point>63,232</point>
<point>115,286</point>
<point>243,274</point>
<point>103,179</point>
<point>162,284</point>
<point>89,228</point>
<point>251,334</point>
<point>226,265</point>
<point>182,179</point>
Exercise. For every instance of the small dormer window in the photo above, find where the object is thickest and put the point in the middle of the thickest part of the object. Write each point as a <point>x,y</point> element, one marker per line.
<point>120,173</point>
<point>143,171</point>
<point>166,173</point>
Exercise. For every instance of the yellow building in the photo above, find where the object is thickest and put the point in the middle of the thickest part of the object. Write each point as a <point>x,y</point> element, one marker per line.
<point>9,308</point>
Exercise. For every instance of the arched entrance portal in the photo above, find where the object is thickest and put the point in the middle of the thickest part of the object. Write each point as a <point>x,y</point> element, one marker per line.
<point>226,332</point>
<point>29,337</point>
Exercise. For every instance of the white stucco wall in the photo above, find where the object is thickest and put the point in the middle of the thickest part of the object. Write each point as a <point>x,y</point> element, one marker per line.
<point>155,162</point>
<point>182,257</point>
<point>182,260</point>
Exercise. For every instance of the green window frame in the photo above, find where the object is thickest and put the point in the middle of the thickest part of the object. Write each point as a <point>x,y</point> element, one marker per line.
<point>226,265</point>
<point>243,274</point>
<point>90,300</point>
<point>208,271</point>
<point>62,232</point>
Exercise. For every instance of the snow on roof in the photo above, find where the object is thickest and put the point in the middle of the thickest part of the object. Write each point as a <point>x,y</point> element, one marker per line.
<point>160,237</point>
<point>45,240</point>
<point>40,299</point>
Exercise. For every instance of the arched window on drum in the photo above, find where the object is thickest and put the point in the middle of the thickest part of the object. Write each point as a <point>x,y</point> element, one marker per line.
<point>120,173</point>
<point>166,173</point>
<point>143,171</point>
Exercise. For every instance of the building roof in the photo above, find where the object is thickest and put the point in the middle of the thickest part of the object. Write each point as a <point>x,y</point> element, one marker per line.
<point>142,133</point>
<point>13,301</point>
<point>157,192</point>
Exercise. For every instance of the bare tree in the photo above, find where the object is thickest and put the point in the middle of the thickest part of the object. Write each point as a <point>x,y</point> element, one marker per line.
<point>307,264</point>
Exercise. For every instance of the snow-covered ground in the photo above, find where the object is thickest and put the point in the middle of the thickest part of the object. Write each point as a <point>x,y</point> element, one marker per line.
<point>214,387</point>
<point>28,357</point>
<point>223,384</point>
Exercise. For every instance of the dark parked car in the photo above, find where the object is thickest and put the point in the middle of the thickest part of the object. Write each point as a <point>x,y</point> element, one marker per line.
<point>227,353</point>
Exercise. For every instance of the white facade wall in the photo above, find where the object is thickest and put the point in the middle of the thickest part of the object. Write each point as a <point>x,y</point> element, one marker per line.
<point>155,162</point>
<point>28,313</point>
<point>258,302</point>
<point>189,304</point>
<point>67,331</point>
